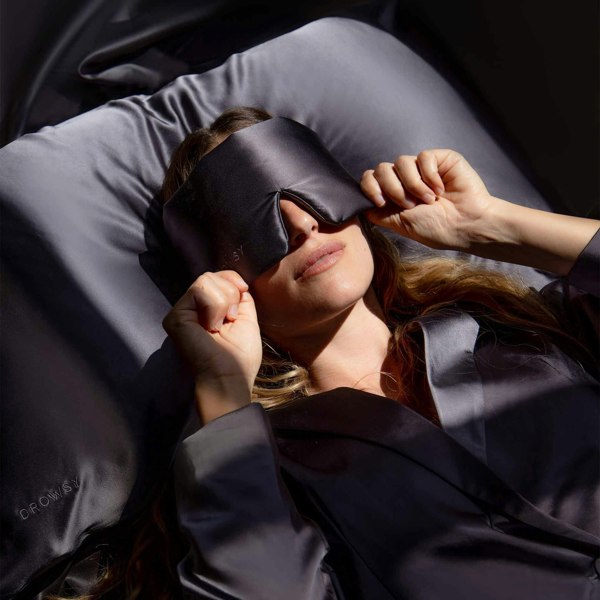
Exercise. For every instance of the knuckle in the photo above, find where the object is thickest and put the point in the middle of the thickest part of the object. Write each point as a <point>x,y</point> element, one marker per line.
<point>200,281</point>
<point>206,275</point>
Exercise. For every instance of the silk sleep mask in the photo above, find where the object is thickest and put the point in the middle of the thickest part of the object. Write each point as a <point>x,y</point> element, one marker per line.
<point>227,215</point>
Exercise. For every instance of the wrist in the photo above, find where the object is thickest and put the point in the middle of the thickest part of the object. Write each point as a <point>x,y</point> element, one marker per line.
<point>218,396</point>
<point>529,236</point>
<point>497,227</point>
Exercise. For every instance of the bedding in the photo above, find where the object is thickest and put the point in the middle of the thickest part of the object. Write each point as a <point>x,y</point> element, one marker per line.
<point>95,399</point>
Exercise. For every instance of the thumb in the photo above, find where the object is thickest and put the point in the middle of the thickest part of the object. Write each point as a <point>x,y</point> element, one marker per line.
<point>247,308</point>
<point>388,216</point>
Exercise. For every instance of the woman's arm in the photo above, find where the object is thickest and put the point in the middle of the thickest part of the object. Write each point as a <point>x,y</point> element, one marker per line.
<point>247,540</point>
<point>532,237</point>
<point>438,199</point>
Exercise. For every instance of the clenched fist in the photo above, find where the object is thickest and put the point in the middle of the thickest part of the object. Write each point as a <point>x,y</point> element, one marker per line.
<point>215,328</point>
<point>435,198</point>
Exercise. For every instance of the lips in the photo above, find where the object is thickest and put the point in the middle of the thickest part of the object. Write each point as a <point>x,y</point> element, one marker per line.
<point>322,251</point>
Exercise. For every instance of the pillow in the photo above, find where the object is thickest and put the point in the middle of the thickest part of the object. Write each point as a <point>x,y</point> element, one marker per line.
<point>95,399</point>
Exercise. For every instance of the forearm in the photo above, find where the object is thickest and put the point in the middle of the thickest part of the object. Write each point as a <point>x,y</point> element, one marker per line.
<point>527,236</point>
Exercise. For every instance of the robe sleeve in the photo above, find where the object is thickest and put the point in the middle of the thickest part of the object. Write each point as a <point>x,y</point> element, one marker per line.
<point>585,272</point>
<point>579,292</point>
<point>246,539</point>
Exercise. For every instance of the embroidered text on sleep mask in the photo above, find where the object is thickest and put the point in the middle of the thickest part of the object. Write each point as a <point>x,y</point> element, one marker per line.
<point>227,215</point>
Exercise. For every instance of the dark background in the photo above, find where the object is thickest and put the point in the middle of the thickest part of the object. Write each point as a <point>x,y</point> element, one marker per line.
<point>534,64</point>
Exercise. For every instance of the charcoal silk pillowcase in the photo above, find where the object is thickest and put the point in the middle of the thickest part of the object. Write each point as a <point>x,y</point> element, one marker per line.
<point>94,396</point>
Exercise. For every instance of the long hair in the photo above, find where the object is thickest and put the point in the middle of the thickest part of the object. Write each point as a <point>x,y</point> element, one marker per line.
<point>406,290</point>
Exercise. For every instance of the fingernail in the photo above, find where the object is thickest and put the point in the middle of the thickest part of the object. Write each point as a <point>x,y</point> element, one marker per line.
<point>439,190</point>
<point>233,311</point>
<point>379,200</point>
<point>429,197</point>
<point>409,203</point>
<point>217,326</point>
<point>242,283</point>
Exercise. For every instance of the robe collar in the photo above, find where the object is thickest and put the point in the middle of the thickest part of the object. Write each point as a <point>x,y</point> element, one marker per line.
<point>366,417</point>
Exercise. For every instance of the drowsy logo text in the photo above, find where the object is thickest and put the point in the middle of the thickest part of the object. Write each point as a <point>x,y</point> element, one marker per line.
<point>234,257</point>
<point>68,486</point>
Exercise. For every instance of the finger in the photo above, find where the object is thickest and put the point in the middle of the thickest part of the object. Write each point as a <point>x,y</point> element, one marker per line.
<point>235,278</point>
<point>447,160</point>
<point>388,217</point>
<point>371,189</point>
<point>183,312</point>
<point>409,174</point>
<point>213,296</point>
<point>226,297</point>
<point>242,286</point>
<point>247,308</point>
<point>428,168</point>
<point>390,184</point>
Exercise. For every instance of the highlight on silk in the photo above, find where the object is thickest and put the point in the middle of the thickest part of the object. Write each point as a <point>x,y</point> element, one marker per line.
<point>300,301</point>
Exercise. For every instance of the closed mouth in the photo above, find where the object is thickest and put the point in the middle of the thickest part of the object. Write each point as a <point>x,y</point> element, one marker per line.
<point>324,250</point>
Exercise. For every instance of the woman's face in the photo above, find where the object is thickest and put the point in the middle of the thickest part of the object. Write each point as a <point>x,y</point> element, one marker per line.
<point>327,270</point>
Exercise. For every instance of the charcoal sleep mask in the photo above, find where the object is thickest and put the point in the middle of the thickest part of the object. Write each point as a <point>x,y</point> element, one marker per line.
<point>227,216</point>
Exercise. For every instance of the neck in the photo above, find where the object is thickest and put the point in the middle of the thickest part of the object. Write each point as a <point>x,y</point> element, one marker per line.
<point>349,350</point>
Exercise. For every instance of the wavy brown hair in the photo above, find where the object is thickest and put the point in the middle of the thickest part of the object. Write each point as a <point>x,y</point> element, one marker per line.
<point>407,290</point>
<point>506,309</point>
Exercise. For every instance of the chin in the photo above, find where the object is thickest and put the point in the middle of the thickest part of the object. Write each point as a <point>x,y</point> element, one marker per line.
<point>302,305</point>
<point>335,296</point>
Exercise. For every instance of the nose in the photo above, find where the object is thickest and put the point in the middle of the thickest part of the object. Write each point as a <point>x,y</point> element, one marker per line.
<point>298,223</point>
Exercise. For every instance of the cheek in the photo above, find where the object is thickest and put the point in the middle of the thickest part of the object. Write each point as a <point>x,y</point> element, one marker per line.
<point>361,266</point>
<point>266,304</point>
<point>272,299</point>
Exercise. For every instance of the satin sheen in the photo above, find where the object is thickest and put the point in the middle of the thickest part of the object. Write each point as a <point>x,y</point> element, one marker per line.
<point>353,496</point>
<point>92,390</point>
<point>227,215</point>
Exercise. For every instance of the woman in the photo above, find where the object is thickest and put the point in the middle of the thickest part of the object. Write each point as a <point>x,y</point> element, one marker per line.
<point>430,430</point>
<point>320,308</point>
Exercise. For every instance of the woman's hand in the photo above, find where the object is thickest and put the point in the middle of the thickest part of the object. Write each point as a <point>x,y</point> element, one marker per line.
<point>435,198</point>
<point>438,199</point>
<point>215,328</point>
